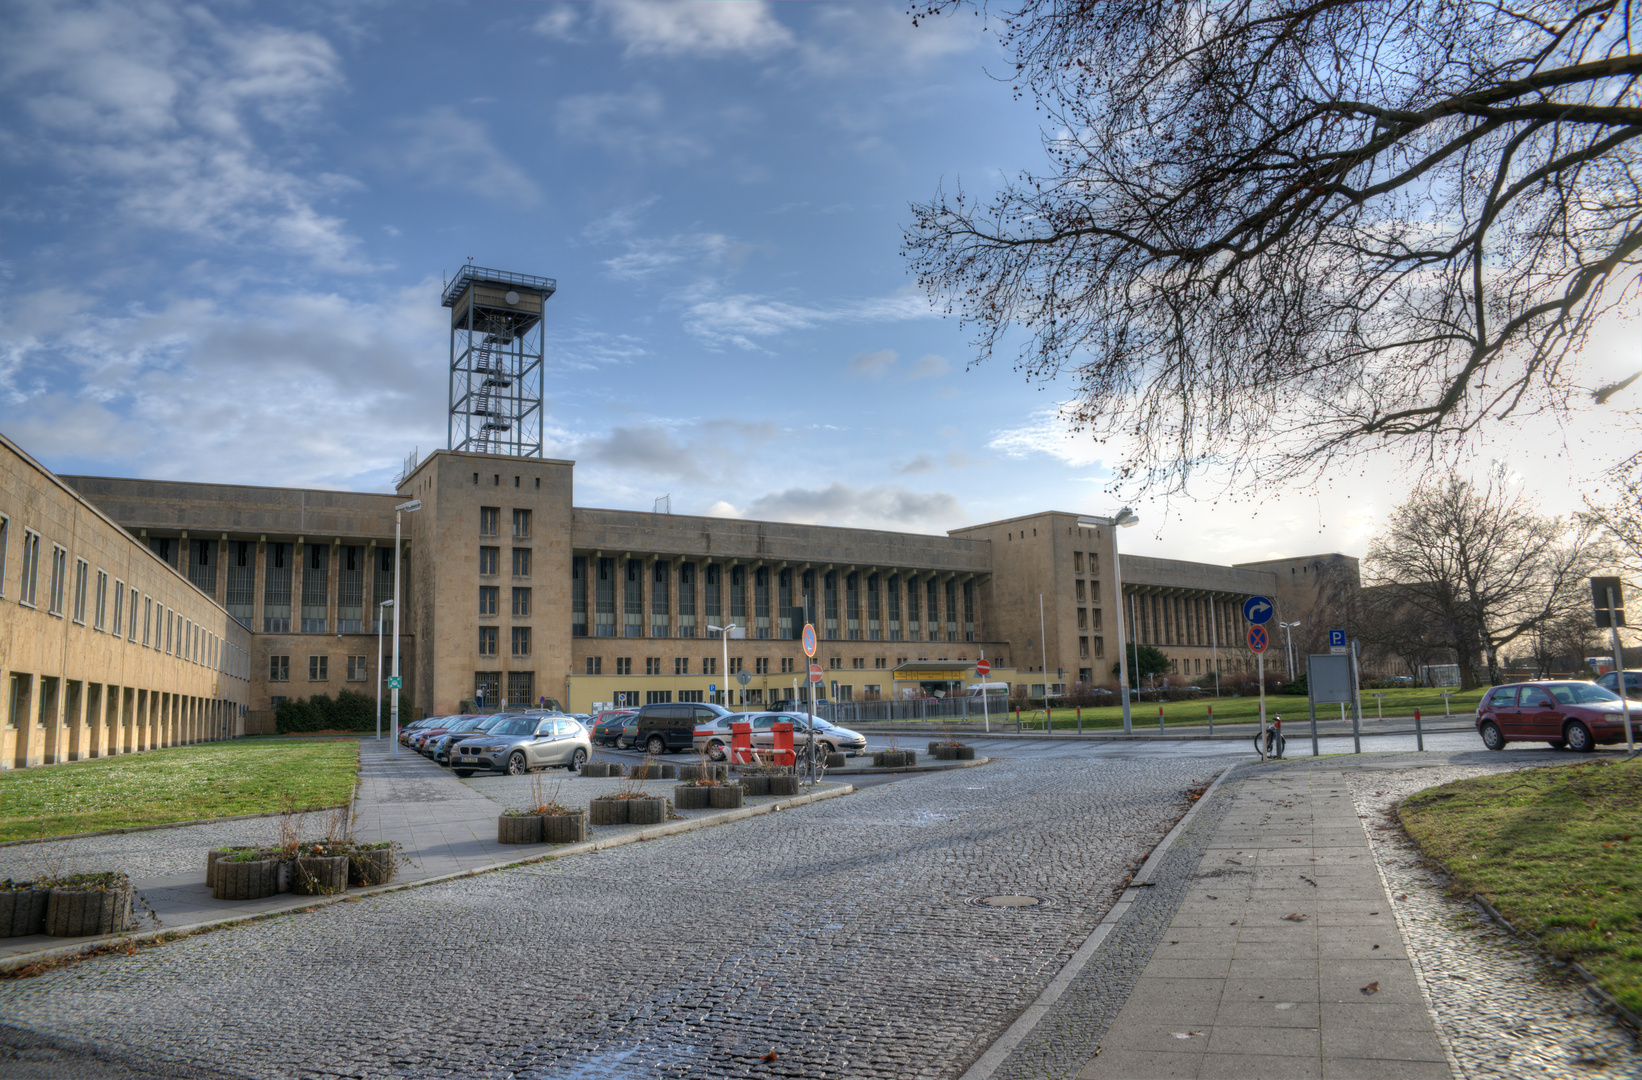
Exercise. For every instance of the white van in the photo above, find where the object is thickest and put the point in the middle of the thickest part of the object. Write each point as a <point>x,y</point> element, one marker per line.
<point>989,690</point>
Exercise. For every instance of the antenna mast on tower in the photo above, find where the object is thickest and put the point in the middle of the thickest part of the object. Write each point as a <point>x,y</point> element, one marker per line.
<point>496,354</point>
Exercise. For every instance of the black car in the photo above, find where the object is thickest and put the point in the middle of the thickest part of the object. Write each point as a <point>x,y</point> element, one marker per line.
<point>606,727</point>
<point>672,727</point>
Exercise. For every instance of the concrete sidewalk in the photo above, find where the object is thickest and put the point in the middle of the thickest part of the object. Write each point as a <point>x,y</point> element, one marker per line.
<point>1284,958</point>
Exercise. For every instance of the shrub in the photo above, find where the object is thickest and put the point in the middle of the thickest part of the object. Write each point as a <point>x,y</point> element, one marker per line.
<point>349,711</point>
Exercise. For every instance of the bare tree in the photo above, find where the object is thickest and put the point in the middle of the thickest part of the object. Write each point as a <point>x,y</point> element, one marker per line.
<point>1621,519</point>
<point>1275,233</point>
<point>1480,566</point>
<point>1392,626</point>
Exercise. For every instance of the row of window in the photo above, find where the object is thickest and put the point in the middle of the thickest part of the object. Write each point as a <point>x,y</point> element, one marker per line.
<point>655,665</point>
<point>319,668</point>
<point>1183,620</point>
<point>843,605</point>
<point>112,608</point>
<point>751,696</point>
<point>490,561</point>
<point>489,636</point>
<point>200,559</point>
<point>490,522</point>
<point>489,595</point>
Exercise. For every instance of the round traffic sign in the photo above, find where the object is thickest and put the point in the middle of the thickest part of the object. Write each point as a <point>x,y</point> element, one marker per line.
<point>1257,638</point>
<point>809,640</point>
<point>815,673</point>
<point>1258,609</point>
<point>983,669</point>
<point>743,678</point>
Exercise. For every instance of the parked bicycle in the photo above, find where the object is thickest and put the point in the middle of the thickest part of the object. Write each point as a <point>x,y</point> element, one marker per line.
<point>1270,744</point>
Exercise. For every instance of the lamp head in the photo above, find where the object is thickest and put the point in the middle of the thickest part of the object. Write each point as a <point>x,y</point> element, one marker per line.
<point>1126,518</point>
<point>410,507</point>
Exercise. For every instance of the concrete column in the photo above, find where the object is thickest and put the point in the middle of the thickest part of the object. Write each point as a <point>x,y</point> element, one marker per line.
<point>79,737</point>
<point>259,582</point>
<point>331,590</point>
<point>299,570</point>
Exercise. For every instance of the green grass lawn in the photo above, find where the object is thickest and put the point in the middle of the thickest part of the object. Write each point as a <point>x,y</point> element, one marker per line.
<point>1558,851</point>
<point>182,783</point>
<point>1233,710</point>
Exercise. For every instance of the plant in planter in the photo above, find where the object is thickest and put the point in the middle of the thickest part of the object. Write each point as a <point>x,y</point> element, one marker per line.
<point>373,864</point>
<point>642,807</point>
<point>88,905</point>
<point>249,874</point>
<point>706,785</point>
<point>320,868</point>
<point>23,907</point>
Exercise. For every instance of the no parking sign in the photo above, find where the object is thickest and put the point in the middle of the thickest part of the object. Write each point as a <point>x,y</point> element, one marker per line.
<point>1257,638</point>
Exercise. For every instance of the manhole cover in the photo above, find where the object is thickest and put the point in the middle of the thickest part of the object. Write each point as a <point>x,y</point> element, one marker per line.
<point>1011,900</point>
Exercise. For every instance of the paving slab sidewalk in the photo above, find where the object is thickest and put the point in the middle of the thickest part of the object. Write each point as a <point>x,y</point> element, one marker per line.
<point>1284,958</point>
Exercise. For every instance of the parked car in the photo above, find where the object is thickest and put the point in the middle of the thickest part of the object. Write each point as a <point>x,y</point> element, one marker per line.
<point>672,726</point>
<point>449,723</point>
<point>438,747</point>
<point>1633,683</point>
<point>520,744</point>
<point>712,737</point>
<point>1578,715</point>
<point>829,737</point>
<point>425,744</point>
<point>407,730</point>
<point>607,725</point>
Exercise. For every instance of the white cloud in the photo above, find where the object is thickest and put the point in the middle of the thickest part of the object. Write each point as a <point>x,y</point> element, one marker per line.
<point>445,149</point>
<point>704,28</point>
<point>145,110</point>
<point>882,506</point>
<point>929,366</point>
<point>1046,432</point>
<point>740,319</point>
<point>852,38</point>
<point>873,365</point>
<point>560,22</point>
<point>647,257</point>
<point>630,122</point>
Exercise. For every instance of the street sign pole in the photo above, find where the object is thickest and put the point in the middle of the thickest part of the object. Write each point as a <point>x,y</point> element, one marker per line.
<point>983,669</point>
<point>1614,618</point>
<point>1356,701</point>
<point>808,641</point>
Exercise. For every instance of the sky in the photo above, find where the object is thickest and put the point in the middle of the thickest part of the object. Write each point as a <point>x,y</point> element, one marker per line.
<point>224,231</point>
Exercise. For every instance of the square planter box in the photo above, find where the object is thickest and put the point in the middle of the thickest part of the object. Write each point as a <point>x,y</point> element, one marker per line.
<point>691,797</point>
<point>566,828</point>
<point>519,829</point>
<point>607,812</point>
<point>23,912</point>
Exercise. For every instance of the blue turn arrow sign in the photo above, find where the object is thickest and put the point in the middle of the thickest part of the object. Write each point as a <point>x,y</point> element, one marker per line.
<point>1258,609</point>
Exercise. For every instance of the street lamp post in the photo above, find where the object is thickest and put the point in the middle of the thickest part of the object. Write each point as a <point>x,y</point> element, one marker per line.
<point>724,636</point>
<point>399,511</point>
<point>379,676</point>
<point>1125,519</point>
<point>1289,637</point>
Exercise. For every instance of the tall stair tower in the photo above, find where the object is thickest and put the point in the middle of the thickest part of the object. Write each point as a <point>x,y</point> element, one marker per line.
<point>496,351</point>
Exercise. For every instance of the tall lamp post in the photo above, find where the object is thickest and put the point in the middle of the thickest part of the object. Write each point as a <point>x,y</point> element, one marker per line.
<point>1289,637</point>
<point>379,675</point>
<point>1124,519</point>
<point>398,549</point>
<point>724,636</point>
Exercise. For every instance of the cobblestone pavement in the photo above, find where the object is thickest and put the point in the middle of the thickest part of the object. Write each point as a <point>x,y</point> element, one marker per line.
<point>832,940</point>
<point>1503,1010</point>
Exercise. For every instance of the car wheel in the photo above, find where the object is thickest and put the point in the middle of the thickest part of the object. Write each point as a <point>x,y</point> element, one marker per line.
<point>656,745</point>
<point>464,773</point>
<point>577,760</point>
<point>1557,744</point>
<point>1579,738</point>
<point>715,751</point>
<point>1491,736</point>
<point>516,764</point>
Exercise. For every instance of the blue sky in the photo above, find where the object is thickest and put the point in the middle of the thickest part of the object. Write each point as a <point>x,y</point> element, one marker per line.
<point>225,229</point>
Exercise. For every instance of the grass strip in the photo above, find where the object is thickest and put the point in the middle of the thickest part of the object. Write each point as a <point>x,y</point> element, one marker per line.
<point>180,783</point>
<point>1557,851</point>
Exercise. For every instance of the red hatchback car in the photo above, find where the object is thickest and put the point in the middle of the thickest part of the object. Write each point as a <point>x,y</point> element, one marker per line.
<point>1578,715</point>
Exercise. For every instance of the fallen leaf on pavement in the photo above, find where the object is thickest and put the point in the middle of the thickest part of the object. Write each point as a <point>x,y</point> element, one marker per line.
<point>771,1056</point>
<point>1295,917</point>
<point>1372,988</point>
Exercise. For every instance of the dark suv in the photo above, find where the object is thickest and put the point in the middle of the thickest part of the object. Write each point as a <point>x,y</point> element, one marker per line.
<point>672,727</point>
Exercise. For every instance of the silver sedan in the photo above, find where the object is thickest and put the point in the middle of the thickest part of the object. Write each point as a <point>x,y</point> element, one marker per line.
<point>523,743</point>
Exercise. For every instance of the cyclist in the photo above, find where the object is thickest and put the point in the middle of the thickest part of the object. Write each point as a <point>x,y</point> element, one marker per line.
<point>1270,745</point>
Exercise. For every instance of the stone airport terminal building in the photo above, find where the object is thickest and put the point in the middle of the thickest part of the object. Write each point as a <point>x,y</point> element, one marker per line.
<point>143,613</point>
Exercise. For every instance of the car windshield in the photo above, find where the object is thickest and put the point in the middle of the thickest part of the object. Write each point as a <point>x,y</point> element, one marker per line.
<point>1582,693</point>
<point>518,725</point>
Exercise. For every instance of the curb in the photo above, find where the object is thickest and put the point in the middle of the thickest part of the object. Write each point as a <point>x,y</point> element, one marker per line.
<point>874,770</point>
<point>177,824</point>
<point>92,945</point>
<point>996,1054</point>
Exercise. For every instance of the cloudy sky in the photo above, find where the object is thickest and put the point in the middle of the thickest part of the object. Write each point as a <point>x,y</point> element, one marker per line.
<point>226,228</point>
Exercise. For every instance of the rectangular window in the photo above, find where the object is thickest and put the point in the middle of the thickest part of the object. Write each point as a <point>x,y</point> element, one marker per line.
<point>59,580</point>
<point>658,697</point>
<point>119,607</point>
<point>487,599</point>
<point>382,586</point>
<point>1077,562</point>
<point>694,696</point>
<point>761,666</point>
<point>1083,618</point>
<point>202,565</point>
<point>846,693</point>
<point>1094,564</point>
<point>148,607</point>
<point>951,610</point>
<point>316,590</point>
<point>783,606</point>
<point>1083,648</point>
<point>30,568</point>
<point>858,662</point>
<point>487,688</point>
<point>521,562</point>
<point>81,572</point>
<point>521,688</point>
<point>681,665</point>
<point>852,605</point>
<point>892,608</point>
<point>487,640</point>
<point>624,665</point>
<point>242,579</point>
<point>880,662</point>
<point>738,595</point>
<point>761,603</point>
<point>875,629</point>
<point>99,603</point>
<point>735,666</point>
<point>595,665</point>
<point>521,524</point>
<point>490,520</point>
<point>165,548</point>
<point>652,665</point>
<point>578,596</point>
<point>687,600</point>
<point>1079,591</point>
<point>5,545</point>
<point>1100,648</point>
<point>786,665</point>
<point>132,632</point>
<point>350,589</point>
<point>279,669</point>
<point>709,665</point>
<point>830,598</point>
<point>358,669</point>
<point>661,577</point>
<point>712,597</point>
<point>521,641</point>
<point>604,599</point>
<point>490,561</point>
<point>521,603</point>
<point>835,663</point>
<point>276,590</point>
<point>633,600</point>
<point>914,624</point>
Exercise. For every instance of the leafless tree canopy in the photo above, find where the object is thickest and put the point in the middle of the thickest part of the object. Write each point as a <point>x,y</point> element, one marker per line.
<point>1480,569</point>
<point>1316,225</point>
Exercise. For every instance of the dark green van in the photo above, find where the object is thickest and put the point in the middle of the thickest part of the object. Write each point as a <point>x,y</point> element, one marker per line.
<point>672,726</point>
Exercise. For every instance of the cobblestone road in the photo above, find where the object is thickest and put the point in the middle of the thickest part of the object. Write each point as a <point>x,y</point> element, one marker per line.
<point>834,937</point>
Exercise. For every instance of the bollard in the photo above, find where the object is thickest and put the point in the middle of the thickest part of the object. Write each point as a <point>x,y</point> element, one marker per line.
<point>1419,733</point>
<point>1017,720</point>
<point>1048,718</point>
<point>1080,719</point>
<point>1160,730</point>
<point>1211,721</point>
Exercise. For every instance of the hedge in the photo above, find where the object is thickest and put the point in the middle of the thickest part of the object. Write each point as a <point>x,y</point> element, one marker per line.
<point>349,711</point>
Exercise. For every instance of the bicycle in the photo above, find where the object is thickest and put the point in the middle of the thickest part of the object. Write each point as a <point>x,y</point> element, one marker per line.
<point>1273,740</point>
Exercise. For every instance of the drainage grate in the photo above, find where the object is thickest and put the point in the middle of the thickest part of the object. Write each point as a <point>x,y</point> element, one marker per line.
<point>1009,900</point>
